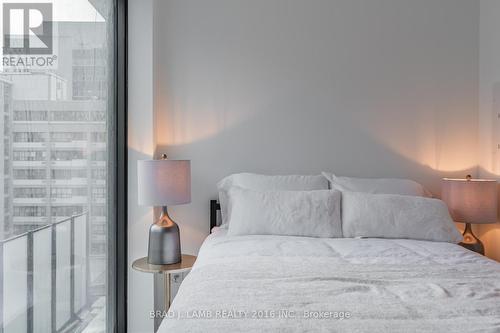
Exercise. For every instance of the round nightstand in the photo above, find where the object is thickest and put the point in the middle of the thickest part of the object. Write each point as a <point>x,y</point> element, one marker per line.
<point>162,281</point>
<point>186,263</point>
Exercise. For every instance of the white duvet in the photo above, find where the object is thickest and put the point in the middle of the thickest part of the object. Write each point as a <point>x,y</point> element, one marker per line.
<point>296,284</point>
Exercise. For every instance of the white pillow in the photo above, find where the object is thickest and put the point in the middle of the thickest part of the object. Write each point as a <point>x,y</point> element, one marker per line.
<point>291,213</point>
<point>266,183</point>
<point>377,185</point>
<point>397,216</point>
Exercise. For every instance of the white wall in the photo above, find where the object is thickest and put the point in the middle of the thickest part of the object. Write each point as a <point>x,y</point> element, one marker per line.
<point>141,146</point>
<point>359,87</point>
<point>489,109</point>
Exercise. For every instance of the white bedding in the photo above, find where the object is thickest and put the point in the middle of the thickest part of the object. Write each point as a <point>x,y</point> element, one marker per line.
<point>384,285</point>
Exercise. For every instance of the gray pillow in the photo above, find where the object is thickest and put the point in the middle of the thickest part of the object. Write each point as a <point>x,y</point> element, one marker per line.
<point>292,213</point>
<point>258,182</point>
<point>397,216</point>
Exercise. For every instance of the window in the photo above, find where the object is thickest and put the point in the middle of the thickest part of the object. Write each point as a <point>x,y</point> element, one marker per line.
<point>98,116</point>
<point>98,193</point>
<point>89,73</point>
<point>29,174</point>
<point>25,115</point>
<point>99,228</point>
<point>78,116</point>
<point>61,193</point>
<point>99,155</point>
<point>68,192</point>
<point>55,121</point>
<point>30,211</point>
<point>68,173</point>
<point>30,137</point>
<point>69,116</point>
<point>98,173</point>
<point>68,136</point>
<point>22,228</point>
<point>98,137</point>
<point>98,248</point>
<point>67,155</point>
<point>28,155</point>
<point>67,210</point>
<point>30,192</point>
<point>99,211</point>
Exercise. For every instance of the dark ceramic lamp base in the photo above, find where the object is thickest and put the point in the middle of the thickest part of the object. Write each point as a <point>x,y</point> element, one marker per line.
<point>471,242</point>
<point>164,246</point>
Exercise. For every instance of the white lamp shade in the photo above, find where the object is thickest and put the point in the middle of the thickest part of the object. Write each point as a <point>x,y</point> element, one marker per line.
<point>471,201</point>
<point>164,182</point>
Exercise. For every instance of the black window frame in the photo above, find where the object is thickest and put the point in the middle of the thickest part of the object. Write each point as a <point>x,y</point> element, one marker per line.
<point>119,248</point>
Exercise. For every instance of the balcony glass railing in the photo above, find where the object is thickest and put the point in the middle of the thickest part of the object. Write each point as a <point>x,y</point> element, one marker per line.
<point>44,277</point>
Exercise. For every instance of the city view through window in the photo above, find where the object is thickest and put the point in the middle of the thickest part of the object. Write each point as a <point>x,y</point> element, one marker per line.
<point>56,121</point>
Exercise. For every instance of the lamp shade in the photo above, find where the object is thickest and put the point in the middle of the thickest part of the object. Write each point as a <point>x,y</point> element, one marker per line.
<point>164,182</point>
<point>471,201</point>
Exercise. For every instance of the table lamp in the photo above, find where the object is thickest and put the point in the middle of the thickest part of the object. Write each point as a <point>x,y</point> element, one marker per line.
<point>162,183</point>
<point>471,201</point>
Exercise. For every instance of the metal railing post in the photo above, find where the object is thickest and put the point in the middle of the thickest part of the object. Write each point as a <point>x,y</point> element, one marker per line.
<point>29,282</point>
<point>53,281</point>
<point>87,259</point>
<point>30,306</point>
<point>1,288</point>
<point>72,267</point>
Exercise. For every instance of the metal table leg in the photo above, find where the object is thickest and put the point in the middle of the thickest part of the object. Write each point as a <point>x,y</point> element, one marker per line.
<point>162,288</point>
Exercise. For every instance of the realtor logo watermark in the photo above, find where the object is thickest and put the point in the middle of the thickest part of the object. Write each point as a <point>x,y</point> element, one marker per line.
<point>28,39</point>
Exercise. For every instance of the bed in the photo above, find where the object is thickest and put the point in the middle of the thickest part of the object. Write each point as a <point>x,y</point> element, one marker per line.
<point>301,284</point>
<point>393,266</point>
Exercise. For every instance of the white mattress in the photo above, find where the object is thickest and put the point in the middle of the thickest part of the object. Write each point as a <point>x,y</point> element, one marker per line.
<point>277,283</point>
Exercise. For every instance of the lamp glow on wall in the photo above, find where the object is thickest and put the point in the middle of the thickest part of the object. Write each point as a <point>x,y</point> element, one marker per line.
<point>471,201</point>
<point>163,183</point>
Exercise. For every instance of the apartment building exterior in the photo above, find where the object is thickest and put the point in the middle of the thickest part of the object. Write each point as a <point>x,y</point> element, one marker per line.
<point>58,166</point>
<point>56,122</point>
<point>5,155</point>
<point>55,145</point>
